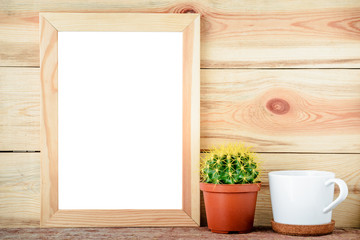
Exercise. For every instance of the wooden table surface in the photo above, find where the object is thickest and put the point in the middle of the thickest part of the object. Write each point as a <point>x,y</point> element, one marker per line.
<point>158,233</point>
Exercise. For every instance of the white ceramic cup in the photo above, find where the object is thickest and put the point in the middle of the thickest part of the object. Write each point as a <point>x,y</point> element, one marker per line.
<point>304,197</point>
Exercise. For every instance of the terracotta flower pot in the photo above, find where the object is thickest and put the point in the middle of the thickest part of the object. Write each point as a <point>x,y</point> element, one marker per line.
<point>230,207</point>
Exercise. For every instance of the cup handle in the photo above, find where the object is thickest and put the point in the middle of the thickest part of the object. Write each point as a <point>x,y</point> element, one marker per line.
<point>342,196</point>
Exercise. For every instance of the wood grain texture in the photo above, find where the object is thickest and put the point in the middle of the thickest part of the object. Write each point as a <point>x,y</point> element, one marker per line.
<point>19,190</point>
<point>51,216</point>
<point>186,118</point>
<point>49,120</point>
<point>191,116</point>
<point>282,110</point>
<point>324,109</point>
<point>19,109</point>
<point>20,186</point>
<point>119,22</point>
<point>234,33</point>
<point>195,123</point>
<point>345,166</point>
<point>19,38</point>
<point>120,218</point>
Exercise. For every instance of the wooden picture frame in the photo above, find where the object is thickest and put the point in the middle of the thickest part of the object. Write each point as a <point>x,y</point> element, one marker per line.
<point>50,24</point>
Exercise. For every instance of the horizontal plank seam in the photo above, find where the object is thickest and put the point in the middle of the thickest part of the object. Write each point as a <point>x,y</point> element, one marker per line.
<point>273,68</point>
<point>205,150</point>
<point>229,68</point>
<point>21,151</point>
<point>309,152</point>
<point>19,66</point>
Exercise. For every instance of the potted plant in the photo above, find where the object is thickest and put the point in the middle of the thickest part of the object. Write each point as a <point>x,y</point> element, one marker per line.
<point>230,182</point>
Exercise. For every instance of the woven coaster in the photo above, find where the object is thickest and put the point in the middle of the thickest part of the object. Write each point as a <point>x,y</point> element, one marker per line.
<point>303,230</point>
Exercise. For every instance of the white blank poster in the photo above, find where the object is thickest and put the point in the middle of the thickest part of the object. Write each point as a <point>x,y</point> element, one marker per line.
<point>120,120</point>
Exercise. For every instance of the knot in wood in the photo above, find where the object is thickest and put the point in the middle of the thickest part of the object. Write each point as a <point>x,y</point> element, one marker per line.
<point>278,106</point>
<point>188,10</point>
<point>185,9</point>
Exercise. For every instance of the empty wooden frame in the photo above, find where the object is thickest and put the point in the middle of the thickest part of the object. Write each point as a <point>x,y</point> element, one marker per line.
<point>50,25</point>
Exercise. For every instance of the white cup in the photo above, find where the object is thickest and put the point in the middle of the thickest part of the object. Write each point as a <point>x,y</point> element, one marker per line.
<point>304,197</point>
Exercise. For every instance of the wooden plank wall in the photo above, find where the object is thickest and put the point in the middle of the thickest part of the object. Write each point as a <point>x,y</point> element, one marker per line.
<point>281,75</point>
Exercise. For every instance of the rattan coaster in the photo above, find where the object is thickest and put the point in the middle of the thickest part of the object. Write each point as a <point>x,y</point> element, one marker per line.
<point>303,230</point>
